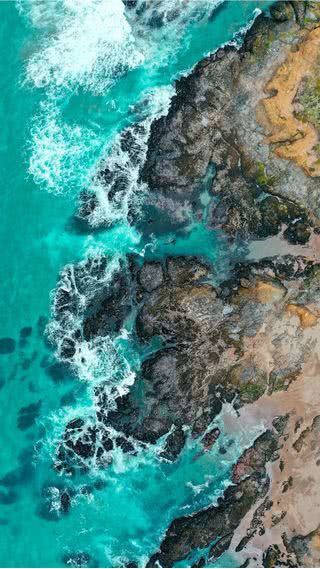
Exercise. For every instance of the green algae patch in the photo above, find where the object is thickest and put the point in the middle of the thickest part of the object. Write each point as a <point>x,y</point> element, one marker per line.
<point>309,99</point>
<point>250,392</point>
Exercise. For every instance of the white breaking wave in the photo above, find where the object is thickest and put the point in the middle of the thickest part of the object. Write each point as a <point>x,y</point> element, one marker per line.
<point>58,150</point>
<point>239,35</point>
<point>116,189</point>
<point>94,359</point>
<point>89,44</point>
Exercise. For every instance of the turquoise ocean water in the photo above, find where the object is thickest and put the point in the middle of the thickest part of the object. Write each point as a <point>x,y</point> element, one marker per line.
<point>73,75</point>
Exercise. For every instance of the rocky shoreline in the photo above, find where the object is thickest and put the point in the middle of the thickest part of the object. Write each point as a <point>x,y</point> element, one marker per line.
<point>251,340</point>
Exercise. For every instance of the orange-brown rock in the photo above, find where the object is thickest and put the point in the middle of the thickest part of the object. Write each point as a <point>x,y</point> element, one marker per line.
<point>292,138</point>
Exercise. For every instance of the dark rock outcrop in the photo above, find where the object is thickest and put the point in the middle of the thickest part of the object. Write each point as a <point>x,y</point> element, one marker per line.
<point>211,124</point>
<point>218,522</point>
<point>89,303</point>
<point>204,359</point>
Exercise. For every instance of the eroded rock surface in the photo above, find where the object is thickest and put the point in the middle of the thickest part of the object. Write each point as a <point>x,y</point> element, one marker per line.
<point>216,120</point>
<point>240,128</point>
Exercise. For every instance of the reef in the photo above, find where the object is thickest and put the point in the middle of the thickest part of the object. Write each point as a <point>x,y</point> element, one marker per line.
<point>244,126</point>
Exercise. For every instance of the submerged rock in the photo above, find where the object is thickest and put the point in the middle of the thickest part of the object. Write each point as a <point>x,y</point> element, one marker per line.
<point>7,345</point>
<point>27,415</point>
<point>26,332</point>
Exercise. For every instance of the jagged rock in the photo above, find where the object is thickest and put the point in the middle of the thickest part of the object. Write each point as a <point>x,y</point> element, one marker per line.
<point>212,123</point>
<point>150,276</point>
<point>282,11</point>
<point>200,529</point>
<point>107,303</point>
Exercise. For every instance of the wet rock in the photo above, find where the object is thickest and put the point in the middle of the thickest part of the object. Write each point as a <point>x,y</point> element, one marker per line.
<point>271,557</point>
<point>65,502</point>
<point>75,424</point>
<point>256,524</point>
<point>56,501</point>
<point>253,460</point>
<point>282,11</point>
<point>150,276</point>
<point>67,348</point>
<point>110,310</point>
<point>116,181</point>
<point>309,436</point>
<point>185,270</point>
<point>80,559</point>
<point>84,445</point>
<point>130,3</point>
<point>304,548</point>
<point>212,120</point>
<point>217,522</point>
<point>124,444</point>
<point>174,444</point>
<point>157,316</point>
<point>275,212</point>
<point>202,362</point>
<point>298,233</point>
<point>210,438</point>
<point>299,7</point>
<point>107,443</point>
<point>219,547</point>
<point>107,304</point>
<point>186,382</point>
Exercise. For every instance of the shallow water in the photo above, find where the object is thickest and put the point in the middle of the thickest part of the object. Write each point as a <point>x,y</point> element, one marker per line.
<point>73,74</point>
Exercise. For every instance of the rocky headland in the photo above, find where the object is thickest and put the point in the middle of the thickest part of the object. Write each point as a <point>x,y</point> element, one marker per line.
<point>244,124</point>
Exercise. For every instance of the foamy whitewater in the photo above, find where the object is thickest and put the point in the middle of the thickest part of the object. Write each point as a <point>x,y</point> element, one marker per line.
<point>82,82</point>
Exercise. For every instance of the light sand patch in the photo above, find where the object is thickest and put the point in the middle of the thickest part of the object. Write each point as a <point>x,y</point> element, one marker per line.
<point>277,245</point>
<point>300,503</point>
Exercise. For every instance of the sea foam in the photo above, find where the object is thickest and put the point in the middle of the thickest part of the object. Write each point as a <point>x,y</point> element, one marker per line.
<point>58,150</point>
<point>116,192</point>
<point>90,45</point>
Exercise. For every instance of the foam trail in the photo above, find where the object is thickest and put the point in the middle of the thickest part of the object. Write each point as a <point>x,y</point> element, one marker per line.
<point>59,150</point>
<point>88,43</point>
<point>76,290</point>
<point>91,43</point>
<point>238,36</point>
<point>116,192</point>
